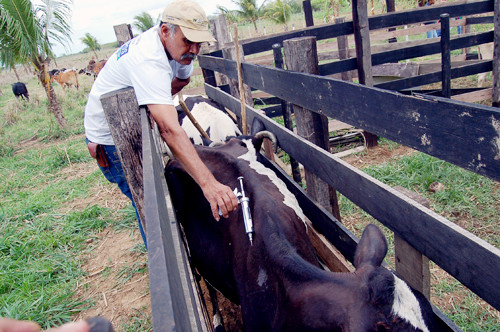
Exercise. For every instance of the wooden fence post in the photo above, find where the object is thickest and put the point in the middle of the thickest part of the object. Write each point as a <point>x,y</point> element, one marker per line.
<point>123,33</point>
<point>343,46</point>
<point>287,114</point>
<point>219,27</point>
<point>410,263</point>
<point>122,113</point>
<point>391,7</point>
<point>230,54</point>
<point>445,56</point>
<point>495,74</point>
<point>301,55</point>
<point>306,5</point>
<point>363,53</point>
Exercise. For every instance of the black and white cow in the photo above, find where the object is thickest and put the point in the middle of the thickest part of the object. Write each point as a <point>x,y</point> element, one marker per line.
<point>214,121</point>
<point>19,89</point>
<point>278,281</point>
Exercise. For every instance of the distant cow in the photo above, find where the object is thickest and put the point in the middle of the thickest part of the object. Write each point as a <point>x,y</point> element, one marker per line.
<point>19,89</point>
<point>486,53</point>
<point>66,79</point>
<point>94,68</point>
<point>212,119</point>
<point>278,281</point>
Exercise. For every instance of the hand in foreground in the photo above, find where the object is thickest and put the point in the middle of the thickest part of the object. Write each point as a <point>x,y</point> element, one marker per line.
<point>220,196</point>
<point>12,325</point>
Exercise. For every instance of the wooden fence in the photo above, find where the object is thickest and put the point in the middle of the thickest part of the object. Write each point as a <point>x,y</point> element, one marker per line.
<point>337,57</point>
<point>465,134</point>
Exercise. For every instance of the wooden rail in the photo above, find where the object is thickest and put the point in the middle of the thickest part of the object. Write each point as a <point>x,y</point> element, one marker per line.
<point>471,260</point>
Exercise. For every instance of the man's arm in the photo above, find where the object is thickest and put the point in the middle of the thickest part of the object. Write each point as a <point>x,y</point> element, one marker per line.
<point>178,84</point>
<point>217,194</point>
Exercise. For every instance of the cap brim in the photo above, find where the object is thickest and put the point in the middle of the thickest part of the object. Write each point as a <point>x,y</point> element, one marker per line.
<point>197,36</point>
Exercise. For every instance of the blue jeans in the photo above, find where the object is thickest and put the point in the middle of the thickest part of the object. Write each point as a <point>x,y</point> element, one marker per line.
<point>114,174</point>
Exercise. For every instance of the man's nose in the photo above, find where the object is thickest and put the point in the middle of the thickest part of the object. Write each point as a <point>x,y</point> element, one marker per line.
<point>195,48</point>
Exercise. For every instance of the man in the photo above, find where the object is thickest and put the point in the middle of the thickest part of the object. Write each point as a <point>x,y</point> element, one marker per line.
<point>157,64</point>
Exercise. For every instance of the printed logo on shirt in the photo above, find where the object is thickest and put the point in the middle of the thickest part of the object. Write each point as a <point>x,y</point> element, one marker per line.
<point>123,50</point>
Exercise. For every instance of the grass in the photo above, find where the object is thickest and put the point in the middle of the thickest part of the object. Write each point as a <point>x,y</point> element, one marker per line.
<point>42,170</point>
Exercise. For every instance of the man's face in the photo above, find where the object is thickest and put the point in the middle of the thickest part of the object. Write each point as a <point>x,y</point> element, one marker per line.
<point>180,48</point>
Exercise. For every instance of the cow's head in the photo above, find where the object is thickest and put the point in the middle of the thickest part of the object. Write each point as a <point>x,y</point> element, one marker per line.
<point>389,303</point>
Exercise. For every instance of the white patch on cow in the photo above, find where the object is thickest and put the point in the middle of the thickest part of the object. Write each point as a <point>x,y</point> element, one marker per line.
<point>220,124</point>
<point>262,277</point>
<point>288,198</point>
<point>217,320</point>
<point>406,305</point>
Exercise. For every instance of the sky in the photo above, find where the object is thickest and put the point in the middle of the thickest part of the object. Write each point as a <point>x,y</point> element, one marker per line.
<point>98,17</point>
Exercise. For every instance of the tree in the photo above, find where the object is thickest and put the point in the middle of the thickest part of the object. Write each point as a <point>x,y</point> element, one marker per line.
<point>92,43</point>
<point>144,22</point>
<point>231,15</point>
<point>249,10</point>
<point>26,35</point>
<point>279,11</point>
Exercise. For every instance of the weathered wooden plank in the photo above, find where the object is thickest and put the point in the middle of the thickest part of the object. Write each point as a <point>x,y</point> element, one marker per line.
<point>475,96</point>
<point>461,133</point>
<point>301,55</point>
<point>495,74</point>
<point>474,262</point>
<point>411,264</point>
<point>121,111</point>
<point>174,305</point>
<point>416,81</point>
<point>445,56</point>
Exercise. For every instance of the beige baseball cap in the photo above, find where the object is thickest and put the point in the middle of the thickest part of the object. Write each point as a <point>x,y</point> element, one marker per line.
<point>191,18</point>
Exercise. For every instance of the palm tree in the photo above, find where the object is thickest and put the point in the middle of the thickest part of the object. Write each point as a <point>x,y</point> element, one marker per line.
<point>144,22</point>
<point>92,43</point>
<point>231,16</point>
<point>279,11</point>
<point>28,32</point>
<point>249,10</point>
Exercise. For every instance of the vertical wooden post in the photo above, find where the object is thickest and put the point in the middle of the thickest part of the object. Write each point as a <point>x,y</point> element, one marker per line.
<point>495,74</point>
<point>287,114</point>
<point>123,116</point>
<point>230,54</point>
<point>343,46</point>
<point>363,52</point>
<point>123,33</point>
<point>445,56</point>
<point>391,7</point>
<point>306,5</point>
<point>301,55</point>
<point>410,263</point>
<point>219,28</point>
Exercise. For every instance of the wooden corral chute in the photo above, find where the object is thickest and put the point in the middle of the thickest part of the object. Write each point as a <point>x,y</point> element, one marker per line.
<point>461,133</point>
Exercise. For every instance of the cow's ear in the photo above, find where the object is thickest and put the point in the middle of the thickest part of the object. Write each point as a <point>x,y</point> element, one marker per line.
<point>372,247</point>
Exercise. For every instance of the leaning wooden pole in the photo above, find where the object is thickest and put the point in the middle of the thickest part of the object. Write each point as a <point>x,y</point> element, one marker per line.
<point>191,117</point>
<point>240,82</point>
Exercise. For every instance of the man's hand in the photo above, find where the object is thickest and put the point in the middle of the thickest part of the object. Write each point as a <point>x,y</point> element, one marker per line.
<point>220,196</point>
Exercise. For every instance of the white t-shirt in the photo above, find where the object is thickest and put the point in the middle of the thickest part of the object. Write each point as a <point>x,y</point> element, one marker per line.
<point>140,63</point>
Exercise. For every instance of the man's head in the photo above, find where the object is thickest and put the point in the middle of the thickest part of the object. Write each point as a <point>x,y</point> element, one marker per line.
<point>184,27</point>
